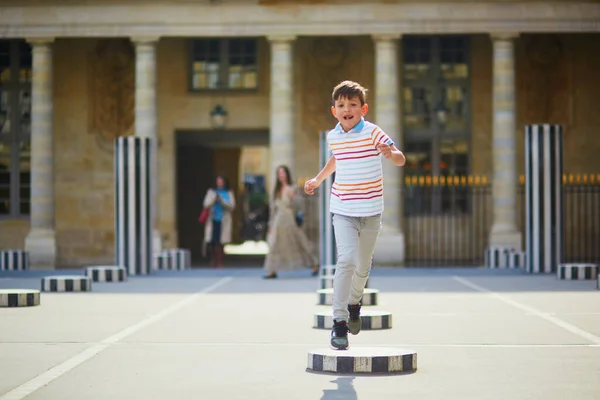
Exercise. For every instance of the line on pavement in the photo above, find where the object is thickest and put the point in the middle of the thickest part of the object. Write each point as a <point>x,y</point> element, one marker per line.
<point>55,372</point>
<point>550,318</point>
<point>280,344</point>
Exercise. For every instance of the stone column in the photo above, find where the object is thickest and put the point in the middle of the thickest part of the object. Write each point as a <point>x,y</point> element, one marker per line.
<point>504,231</point>
<point>390,245</point>
<point>146,118</point>
<point>281,104</point>
<point>41,239</point>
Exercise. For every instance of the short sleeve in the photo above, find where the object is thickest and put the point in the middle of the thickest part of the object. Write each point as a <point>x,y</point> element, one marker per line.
<point>379,136</point>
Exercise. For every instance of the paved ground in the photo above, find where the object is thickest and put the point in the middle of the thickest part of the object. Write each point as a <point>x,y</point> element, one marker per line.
<point>206,334</point>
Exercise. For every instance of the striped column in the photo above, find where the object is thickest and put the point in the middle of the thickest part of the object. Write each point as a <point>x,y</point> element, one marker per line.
<point>327,250</point>
<point>543,197</point>
<point>14,260</point>
<point>133,220</point>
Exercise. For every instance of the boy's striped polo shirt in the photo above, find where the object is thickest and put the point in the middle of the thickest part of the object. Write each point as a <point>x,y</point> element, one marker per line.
<point>358,187</point>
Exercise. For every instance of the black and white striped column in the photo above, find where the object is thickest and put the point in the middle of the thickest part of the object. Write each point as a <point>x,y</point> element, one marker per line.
<point>577,271</point>
<point>327,250</point>
<point>173,259</point>
<point>543,196</point>
<point>133,221</point>
<point>495,256</point>
<point>14,260</point>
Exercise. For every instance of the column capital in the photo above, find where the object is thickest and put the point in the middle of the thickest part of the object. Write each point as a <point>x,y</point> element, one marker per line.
<point>145,39</point>
<point>504,36</point>
<point>40,41</point>
<point>281,38</point>
<point>387,37</point>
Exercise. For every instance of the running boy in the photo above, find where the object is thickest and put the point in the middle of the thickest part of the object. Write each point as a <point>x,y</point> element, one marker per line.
<point>355,146</point>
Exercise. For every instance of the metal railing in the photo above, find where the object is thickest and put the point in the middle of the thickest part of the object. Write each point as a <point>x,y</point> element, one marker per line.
<point>447,220</point>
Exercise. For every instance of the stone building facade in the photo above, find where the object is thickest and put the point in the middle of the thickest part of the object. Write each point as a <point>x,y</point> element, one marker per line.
<point>123,68</point>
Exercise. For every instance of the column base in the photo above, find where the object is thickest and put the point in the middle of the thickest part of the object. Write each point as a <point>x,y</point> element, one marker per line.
<point>512,239</point>
<point>41,246</point>
<point>156,241</point>
<point>389,249</point>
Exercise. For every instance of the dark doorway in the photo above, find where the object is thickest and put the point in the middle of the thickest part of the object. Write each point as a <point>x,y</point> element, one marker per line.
<point>200,157</point>
<point>195,174</point>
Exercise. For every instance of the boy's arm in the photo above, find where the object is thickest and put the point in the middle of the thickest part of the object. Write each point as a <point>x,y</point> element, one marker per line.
<point>397,156</point>
<point>328,169</point>
<point>390,152</point>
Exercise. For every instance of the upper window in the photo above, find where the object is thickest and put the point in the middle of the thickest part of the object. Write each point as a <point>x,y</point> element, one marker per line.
<point>224,64</point>
<point>15,127</point>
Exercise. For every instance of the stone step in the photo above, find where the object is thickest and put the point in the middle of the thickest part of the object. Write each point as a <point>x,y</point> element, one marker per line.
<point>19,298</point>
<point>66,283</point>
<point>371,319</point>
<point>325,297</point>
<point>14,260</point>
<point>363,360</point>
<point>577,271</point>
<point>106,273</point>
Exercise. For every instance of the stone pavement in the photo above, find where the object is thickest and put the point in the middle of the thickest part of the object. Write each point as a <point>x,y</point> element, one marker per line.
<point>207,334</point>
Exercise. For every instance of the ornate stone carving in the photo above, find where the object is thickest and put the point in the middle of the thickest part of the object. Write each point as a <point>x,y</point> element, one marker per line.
<point>113,91</point>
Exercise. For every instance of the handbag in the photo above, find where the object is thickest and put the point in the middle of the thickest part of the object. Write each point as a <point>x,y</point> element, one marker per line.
<point>203,216</point>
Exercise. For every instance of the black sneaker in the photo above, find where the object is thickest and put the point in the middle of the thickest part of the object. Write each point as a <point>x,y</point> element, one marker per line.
<point>339,335</point>
<point>355,322</point>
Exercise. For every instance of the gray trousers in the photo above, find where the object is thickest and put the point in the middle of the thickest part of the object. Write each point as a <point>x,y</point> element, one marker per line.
<point>355,239</point>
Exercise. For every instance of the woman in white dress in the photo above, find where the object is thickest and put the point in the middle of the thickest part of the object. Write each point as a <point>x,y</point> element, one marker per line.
<point>289,248</point>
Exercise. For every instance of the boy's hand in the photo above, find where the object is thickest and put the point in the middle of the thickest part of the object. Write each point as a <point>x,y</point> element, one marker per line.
<point>385,149</point>
<point>310,186</point>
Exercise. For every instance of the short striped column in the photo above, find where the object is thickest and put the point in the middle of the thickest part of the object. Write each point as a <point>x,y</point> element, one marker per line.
<point>106,273</point>
<point>577,271</point>
<point>495,257</point>
<point>133,222</point>
<point>325,297</point>
<point>362,360</point>
<point>66,283</point>
<point>326,282</point>
<point>19,298</point>
<point>327,270</point>
<point>543,197</point>
<point>515,259</point>
<point>173,259</point>
<point>14,260</point>
<point>370,319</point>
<point>327,249</point>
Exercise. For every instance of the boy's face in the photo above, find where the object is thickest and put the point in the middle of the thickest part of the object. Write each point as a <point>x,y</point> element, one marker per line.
<point>348,111</point>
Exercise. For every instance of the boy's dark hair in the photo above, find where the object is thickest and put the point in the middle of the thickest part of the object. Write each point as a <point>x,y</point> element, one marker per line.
<point>349,89</point>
